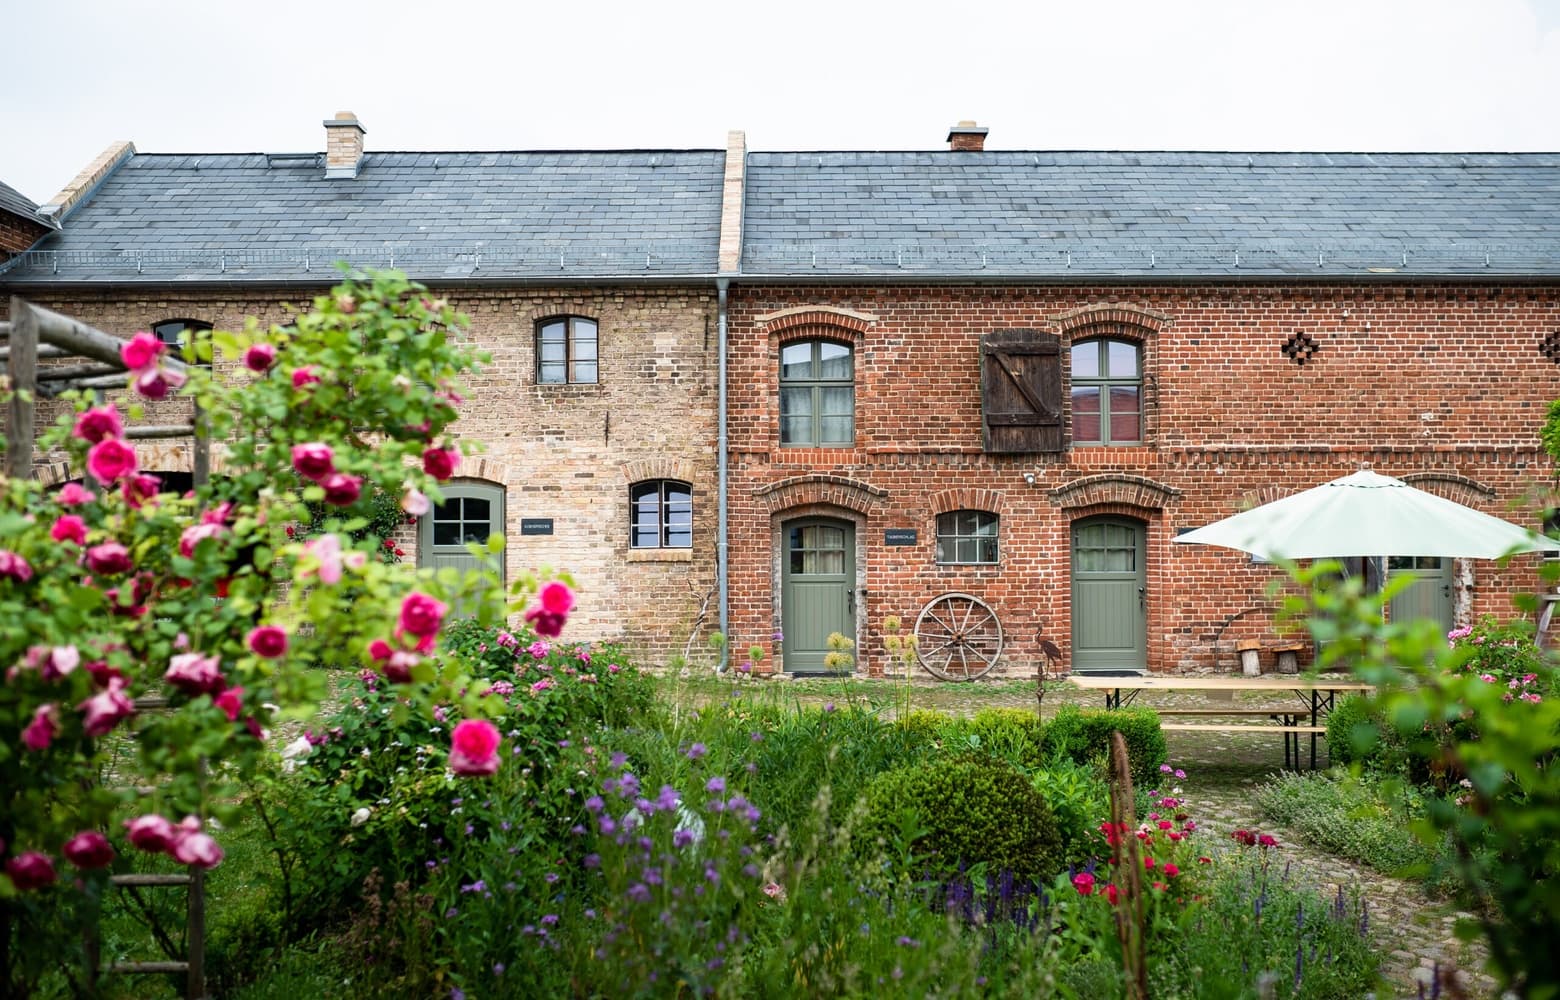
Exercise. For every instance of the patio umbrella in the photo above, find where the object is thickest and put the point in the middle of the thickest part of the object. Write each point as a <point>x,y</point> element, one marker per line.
<point>1368,514</point>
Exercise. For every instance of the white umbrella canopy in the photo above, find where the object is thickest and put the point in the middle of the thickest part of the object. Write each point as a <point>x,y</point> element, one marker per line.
<point>1368,514</point>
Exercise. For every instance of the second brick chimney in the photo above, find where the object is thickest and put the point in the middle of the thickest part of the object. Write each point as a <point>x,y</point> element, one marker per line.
<point>343,145</point>
<point>967,137</point>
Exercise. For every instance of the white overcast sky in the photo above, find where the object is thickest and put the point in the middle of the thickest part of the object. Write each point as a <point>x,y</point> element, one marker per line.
<point>218,76</point>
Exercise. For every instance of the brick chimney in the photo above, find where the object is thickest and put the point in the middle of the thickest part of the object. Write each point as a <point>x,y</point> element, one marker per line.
<point>967,137</point>
<point>343,145</point>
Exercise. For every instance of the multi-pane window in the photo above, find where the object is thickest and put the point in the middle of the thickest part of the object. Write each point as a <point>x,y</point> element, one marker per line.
<point>817,394</point>
<point>967,536</point>
<point>566,350</point>
<point>176,333</point>
<point>1107,392</point>
<point>459,520</point>
<point>661,514</point>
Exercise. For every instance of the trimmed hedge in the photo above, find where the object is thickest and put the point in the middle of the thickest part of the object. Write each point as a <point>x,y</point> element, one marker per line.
<point>1083,734</point>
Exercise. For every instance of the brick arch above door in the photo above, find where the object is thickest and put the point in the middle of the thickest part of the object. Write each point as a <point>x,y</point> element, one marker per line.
<point>801,491</point>
<point>1114,489</point>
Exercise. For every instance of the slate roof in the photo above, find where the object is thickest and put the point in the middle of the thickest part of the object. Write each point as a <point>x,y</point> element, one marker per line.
<point>1150,215</point>
<point>269,217</point>
<point>13,201</point>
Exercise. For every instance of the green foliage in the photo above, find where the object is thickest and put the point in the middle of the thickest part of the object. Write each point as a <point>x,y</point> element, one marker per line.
<point>967,811</point>
<point>1013,734</point>
<point>1078,797</point>
<point>1357,734</point>
<point>1083,735</point>
<point>1352,817</point>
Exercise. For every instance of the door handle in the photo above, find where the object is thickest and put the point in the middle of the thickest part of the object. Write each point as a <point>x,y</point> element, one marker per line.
<point>850,601</point>
<point>1143,598</point>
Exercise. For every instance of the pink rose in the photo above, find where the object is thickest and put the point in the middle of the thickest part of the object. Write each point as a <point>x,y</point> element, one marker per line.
<point>43,728</point>
<point>192,536</point>
<point>304,376</point>
<point>150,832</point>
<point>231,701</point>
<point>260,357</point>
<point>551,611</point>
<point>421,615</point>
<point>398,667</point>
<point>30,870</point>
<point>14,566</point>
<point>342,490</point>
<point>474,748</point>
<point>194,674</point>
<point>268,641</point>
<point>88,849</point>
<point>74,494</point>
<point>197,849</point>
<point>59,662</point>
<point>98,423</point>
<point>102,673</point>
<point>156,383</point>
<point>313,461</point>
<point>379,650</point>
<point>102,712</point>
<point>141,351</point>
<point>108,559</point>
<point>69,528</point>
<point>222,513</point>
<point>346,303</point>
<point>440,463</point>
<point>109,459</point>
<point>415,502</point>
<point>139,488</point>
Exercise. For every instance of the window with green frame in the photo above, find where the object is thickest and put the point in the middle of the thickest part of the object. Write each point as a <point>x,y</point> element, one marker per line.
<point>967,536</point>
<point>817,394</point>
<point>1107,392</point>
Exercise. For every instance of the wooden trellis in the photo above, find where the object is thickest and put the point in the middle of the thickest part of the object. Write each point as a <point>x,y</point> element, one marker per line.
<point>36,333</point>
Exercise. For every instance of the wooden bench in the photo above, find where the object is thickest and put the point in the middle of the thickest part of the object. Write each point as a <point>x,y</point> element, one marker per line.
<point>1292,732</point>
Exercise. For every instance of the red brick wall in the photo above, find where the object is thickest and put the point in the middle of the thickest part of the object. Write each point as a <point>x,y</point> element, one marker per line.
<point>17,234</point>
<point>1406,379</point>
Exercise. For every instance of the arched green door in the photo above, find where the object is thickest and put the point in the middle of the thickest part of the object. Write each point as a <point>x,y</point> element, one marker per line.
<point>818,573</point>
<point>1109,595</point>
<point>471,512</point>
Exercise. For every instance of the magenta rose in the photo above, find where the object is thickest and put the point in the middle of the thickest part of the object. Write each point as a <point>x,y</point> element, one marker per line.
<point>304,376</point>
<point>260,357</point>
<point>110,459</point>
<point>341,489</point>
<point>379,650</point>
<point>141,351</point>
<point>269,641</point>
<point>98,423</point>
<point>43,728</point>
<point>69,528</point>
<point>551,611</point>
<point>102,712</point>
<point>231,701</point>
<point>156,383</point>
<point>474,748</point>
<point>398,666</point>
<point>150,832</point>
<point>556,598</point>
<point>30,870</point>
<point>440,463</point>
<point>139,488</point>
<point>194,673</point>
<point>74,494</point>
<point>108,559</point>
<point>192,536</point>
<point>14,566</point>
<point>313,461</point>
<point>421,615</point>
<point>88,849</point>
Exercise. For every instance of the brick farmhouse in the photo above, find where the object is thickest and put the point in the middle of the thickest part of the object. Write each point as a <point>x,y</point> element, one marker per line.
<point>794,394</point>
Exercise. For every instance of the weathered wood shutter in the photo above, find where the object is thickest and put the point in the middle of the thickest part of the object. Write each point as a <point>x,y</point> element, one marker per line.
<point>1021,391</point>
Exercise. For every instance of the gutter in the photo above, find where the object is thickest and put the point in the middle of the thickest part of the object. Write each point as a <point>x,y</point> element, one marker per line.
<point>722,550</point>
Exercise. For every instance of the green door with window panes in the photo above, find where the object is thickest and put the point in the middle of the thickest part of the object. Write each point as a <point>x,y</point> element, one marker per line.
<point>471,512</point>
<point>818,573</point>
<point>1109,595</point>
<point>1430,593</point>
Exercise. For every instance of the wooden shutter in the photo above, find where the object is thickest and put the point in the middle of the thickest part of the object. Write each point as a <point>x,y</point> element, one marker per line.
<point>1021,391</point>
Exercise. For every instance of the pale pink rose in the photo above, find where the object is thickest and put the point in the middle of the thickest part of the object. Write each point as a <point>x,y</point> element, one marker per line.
<point>192,847</point>
<point>346,303</point>
<point>342,490</point>
<point>108,559</point>
<point>398,667</point>
<point>60,662</point>
<point>415,502</point>
<point>74,494</point>
<point>30,870</point>
<point>326,549</point>
<point>260,357</point>
<point>474,748</point>
<point>440,463</point>
<point>102,712</point>
<point>88,849</point>
<point>269,641</point>
<point>304,376</point>
<point>69,528</point>
<point>14,566</point>
<point>97,423</point>
<point>150,832</point>
<point>313,461</point>
<point>141,351</point>
<point>43,728</point>
<point>192,536</point>
<point>194,673</point>
<point>110,459</point>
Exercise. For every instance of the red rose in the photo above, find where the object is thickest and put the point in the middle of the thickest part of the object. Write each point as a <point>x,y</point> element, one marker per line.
<point>342,490</point>
<point>440,463</point>
<point>88,849</point>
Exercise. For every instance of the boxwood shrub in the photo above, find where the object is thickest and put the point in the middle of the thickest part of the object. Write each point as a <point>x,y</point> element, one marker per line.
<point>1083,735</point>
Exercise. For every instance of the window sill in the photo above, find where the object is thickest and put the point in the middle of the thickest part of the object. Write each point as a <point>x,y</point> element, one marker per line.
<point>660,555</point>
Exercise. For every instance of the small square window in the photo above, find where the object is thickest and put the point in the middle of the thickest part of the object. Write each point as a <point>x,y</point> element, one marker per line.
<point>566,351</point>
<point>967,537</point>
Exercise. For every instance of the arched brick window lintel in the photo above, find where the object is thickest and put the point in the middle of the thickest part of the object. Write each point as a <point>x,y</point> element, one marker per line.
<point>1138,492</point>
<point>838,491</point>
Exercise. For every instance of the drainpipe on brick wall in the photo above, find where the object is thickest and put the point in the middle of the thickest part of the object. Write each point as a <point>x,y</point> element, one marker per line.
<point>720,448</point>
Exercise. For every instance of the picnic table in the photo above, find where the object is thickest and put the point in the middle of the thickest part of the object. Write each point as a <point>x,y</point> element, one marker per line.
<point>1315,698</point>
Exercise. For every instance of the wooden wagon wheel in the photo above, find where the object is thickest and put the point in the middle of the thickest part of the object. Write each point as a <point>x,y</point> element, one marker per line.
<point>958,637</point>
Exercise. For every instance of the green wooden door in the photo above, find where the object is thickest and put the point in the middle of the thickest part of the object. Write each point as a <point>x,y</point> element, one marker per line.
<point>818,576</point>
<point>1109,595</point>
<point>470,513</point>
<point>1429,596</point>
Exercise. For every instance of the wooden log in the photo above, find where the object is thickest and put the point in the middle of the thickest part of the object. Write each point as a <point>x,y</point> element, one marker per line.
<point>44,351</point>
<point>56,373</point>
<point>79,338</point>
<point>52,389</point>
<point>151,880</point>
<point>22,365</point>
<point>151,431</point>
<point>133,968</point>
<point>5,330</point>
